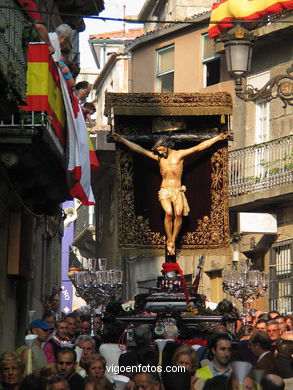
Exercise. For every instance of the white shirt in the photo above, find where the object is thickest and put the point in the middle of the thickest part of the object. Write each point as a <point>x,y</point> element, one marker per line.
<point>111,353</point>
<point>55,43</point>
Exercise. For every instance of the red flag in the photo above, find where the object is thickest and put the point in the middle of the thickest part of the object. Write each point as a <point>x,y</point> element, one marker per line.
<point>31,9</point>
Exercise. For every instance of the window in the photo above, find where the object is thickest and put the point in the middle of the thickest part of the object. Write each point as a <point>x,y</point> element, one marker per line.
<point>262,126</point>
<point>281,298</point>
<point>262,109</point>
<point>262,133</point>
<point>211,62</point>
<point>165,69</point>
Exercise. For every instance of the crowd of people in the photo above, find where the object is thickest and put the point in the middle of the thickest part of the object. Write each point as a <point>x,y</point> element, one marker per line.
<point>64,356</point>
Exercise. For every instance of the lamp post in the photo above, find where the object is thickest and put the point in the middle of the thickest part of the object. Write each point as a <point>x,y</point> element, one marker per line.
<point>238,44</point>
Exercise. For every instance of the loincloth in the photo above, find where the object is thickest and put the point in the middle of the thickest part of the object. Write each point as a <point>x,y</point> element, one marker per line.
<point>172,194</point>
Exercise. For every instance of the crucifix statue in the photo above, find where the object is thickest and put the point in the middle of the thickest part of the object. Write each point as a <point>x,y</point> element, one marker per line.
<point>172,192</point>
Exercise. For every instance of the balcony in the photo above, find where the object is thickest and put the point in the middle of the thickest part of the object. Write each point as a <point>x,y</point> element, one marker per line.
<point>261,171</point>
<point>85,231</point>
<point>33,140</point>
<point>12,58</point>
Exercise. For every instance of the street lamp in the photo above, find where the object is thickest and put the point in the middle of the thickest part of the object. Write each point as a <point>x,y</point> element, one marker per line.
<point>238,48</point>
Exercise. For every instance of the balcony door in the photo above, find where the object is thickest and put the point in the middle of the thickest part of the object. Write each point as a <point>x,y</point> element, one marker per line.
<point>262,128</point>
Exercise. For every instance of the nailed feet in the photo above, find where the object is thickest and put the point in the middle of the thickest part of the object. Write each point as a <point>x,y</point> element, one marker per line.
<point>171,248</point>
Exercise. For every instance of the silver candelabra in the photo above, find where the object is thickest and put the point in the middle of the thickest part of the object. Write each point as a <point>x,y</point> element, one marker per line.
<point>96,284</point>
<point>245,284</point>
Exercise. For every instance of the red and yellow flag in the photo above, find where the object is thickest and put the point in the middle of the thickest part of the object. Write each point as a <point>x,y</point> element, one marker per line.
<point>43,88</point>
<point>31,9</point>
<point>94,162</point>
<point>226,11</point>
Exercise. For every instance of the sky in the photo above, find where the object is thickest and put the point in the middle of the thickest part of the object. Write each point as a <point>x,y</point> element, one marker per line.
<point>113,9</point>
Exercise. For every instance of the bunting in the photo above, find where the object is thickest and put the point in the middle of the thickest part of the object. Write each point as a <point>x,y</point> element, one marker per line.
<point>226,11</point>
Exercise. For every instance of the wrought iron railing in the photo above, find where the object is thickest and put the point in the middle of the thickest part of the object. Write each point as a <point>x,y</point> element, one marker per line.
<point>30,122</point>
<point>12,56</point>
<point>261,166</point>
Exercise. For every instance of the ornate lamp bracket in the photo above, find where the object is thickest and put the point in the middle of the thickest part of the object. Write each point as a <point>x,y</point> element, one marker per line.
<point>280,86</point>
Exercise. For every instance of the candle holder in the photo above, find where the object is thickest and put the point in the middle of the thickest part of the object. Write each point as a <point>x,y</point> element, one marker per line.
<point>244,284</point>
<point>96,286</point>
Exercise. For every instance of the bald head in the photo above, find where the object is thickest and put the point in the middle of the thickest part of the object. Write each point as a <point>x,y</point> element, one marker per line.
<point>272,382</point>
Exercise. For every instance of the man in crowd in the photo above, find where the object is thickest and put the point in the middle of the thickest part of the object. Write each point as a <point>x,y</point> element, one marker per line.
<point>42,330</point>
<point>171,334</point>
<point>53,346</point>
<point>11,370</point>
<point>281,320</point>
<point>97,328</point>
<point>273,313</point>
<point>84,325</point>
<point>256,315</point>
<point>272,382</point>
<point>284,358</point>
<point>146,381</point>
<point>261,344</point>
<point>221,348</point>
<point>50,319</point>
<point>72,326</point>
<point>87,344</point>
<point>142,353</point>
<point>273,330</point>
<point>66,363</point>
<point>261,325</point>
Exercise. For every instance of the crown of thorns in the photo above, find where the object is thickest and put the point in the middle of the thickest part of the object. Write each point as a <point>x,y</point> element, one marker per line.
<point>164,141</point>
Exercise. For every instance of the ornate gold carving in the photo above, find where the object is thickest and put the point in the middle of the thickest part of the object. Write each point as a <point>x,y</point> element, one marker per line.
<point>211,232</point>
<point>189,103</point>
<point>134,231</point>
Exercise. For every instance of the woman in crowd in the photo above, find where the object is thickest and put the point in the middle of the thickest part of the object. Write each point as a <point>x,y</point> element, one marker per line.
<point>248,383</point>
<point>186,356</point>
<point>96,366</point>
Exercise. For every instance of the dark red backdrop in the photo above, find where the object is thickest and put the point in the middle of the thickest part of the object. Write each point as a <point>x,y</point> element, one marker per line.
<point>196,178</point>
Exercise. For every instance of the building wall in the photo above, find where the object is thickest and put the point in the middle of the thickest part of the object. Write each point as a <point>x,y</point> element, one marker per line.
<point>116,80</point>
<point>39,270</point>
<point>142,269</point>
<point>106,211</point>
<point>181,9</point>
<point>188,66</point>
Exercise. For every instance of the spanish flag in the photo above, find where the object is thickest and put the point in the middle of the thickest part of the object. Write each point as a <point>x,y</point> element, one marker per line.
<point>226,11</point>
<point>94,162</point>
<point>44,89</point>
